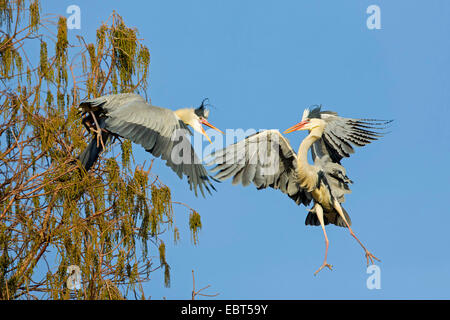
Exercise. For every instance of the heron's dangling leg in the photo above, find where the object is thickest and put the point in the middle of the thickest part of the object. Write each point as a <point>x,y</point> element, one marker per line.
<point>319,213</point>
<point>98,131</point>
<point>369,256</point>
<point>91,125</point>
<point>87,123</point>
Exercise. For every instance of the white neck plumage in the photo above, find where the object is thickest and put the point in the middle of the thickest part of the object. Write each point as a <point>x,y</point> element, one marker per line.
<point>307,174</point>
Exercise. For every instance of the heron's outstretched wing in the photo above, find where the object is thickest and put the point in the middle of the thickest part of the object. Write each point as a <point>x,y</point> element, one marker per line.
<point>342,134</point>
<point>265,159</point>
<point>156,129</point>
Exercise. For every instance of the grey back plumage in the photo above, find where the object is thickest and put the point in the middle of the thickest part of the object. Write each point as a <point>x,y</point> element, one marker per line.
<point>335,176</point>
<point>130,116</point>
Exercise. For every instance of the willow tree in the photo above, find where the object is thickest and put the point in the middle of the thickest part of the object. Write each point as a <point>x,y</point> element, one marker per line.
<point>111,222</point>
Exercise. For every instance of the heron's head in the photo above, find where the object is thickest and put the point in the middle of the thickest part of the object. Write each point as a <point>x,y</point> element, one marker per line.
<point>309,122</point>
<point>196,118</point>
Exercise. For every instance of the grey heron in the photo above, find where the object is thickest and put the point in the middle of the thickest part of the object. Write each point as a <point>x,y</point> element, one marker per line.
<point>158,130</point>
<point>325,183</point>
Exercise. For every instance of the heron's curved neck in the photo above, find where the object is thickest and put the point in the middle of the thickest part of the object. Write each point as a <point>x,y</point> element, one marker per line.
<point>307,173</point>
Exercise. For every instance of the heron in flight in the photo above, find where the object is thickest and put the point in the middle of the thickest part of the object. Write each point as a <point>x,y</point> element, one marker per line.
<point>162,132</point>
<point>325,182</point>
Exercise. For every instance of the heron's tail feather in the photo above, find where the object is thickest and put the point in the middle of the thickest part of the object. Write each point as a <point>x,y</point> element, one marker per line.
<point>328,217</point>
<point>338,220</point>
<point>90,155</point>
<point>313,220</point>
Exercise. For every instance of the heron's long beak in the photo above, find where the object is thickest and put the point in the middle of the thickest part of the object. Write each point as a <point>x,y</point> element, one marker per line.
<point>296,127</point>
<point>206,123</point>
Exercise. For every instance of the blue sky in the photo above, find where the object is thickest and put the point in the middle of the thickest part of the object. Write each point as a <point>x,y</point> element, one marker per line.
<point>261,63</point>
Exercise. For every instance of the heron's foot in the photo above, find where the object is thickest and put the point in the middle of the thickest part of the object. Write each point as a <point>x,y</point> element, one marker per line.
<point>325,264</point>
<point>98,133</point>
<point>370,257</point>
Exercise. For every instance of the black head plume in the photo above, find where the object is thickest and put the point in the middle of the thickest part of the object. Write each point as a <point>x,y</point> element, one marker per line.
<point>316,112</point>
<point>201,111</point>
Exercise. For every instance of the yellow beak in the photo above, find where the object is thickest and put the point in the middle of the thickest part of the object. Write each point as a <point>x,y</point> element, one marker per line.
<point>206,123</point>
<point>296,127</point>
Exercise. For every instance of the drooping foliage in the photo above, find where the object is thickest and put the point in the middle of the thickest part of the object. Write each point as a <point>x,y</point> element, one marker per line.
<point>110,222</point>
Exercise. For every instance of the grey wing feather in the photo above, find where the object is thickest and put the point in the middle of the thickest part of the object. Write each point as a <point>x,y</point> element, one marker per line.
<point>154,128</point>
<point>342,134</point>
<point>265,159</point>
<point>337,141</point>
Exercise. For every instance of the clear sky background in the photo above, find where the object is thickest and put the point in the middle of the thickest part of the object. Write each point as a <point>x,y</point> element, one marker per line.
<point>261,63</point>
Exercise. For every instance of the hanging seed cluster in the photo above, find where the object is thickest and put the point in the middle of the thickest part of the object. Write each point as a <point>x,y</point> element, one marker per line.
<point>110,222</point>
